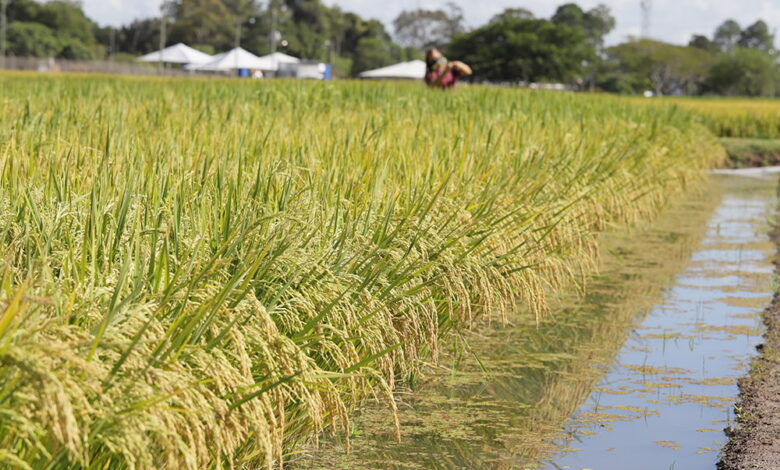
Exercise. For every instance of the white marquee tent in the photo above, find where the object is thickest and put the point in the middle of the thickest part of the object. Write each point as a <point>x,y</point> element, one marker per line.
<point>412,70</point>
<point>273,61</point>
<point>235,59</point>
<point>177,54</point>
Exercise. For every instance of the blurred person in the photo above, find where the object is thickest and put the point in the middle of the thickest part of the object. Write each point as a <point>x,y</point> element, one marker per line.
<point>441,73</point>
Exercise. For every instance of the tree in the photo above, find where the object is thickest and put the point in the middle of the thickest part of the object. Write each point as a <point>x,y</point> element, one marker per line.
<point>74,49</point>
<point>514,49</point>
<point>67,20</point>
<point>569,14</point>
<point>727,35</point>
<point>704,43</point>
<point>309,28</point>
<point>23,10</point>
<point>357,29</point>
<point>744,72</point>
<point>599,22</point>
<point>203,22</point>
<point>595,23</point>
<point>757,36</point>
<point>429,28</point>
<point>63,19</point>
<point>666,68</point>
<point>259,35</point>
<point>367,45</point>
<point>139,37</point>
<point>372,53</point>
<point>32,40</point>
<point>513,13</point>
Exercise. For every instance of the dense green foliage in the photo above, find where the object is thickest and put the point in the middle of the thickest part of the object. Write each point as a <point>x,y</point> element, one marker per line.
<point>651,65</point>
<point>735,62</point>
<point>744,72</point>
<point>56,28</point>
<point>307,29</point>
<point>207,272</point>
<point>512,47</point>
<point>531,50</point>
<point>515,46</point>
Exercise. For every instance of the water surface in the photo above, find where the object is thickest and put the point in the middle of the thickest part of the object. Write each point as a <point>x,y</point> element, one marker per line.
<point>638,373</point>
<point>665,401</point>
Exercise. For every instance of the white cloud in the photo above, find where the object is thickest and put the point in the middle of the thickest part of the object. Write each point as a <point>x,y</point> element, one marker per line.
<point>672,20</point>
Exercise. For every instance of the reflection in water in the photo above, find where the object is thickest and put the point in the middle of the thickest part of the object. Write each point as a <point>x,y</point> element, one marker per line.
<point>504,400</point>
<point>668,396</point>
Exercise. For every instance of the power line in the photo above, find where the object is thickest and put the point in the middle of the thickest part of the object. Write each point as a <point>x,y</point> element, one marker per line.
<point>647,8</point>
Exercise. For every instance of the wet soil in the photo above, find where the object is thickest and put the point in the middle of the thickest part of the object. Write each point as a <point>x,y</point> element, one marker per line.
<point>754,442</point>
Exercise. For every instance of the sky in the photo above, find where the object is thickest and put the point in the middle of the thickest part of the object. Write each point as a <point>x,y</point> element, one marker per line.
<point>671,20</point>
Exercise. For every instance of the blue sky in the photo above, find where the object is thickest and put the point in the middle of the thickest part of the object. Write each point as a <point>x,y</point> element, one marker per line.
<point>672,20</point>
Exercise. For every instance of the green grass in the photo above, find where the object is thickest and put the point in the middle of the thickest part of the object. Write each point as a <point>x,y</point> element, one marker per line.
<point>208,273</point>
<point>752,152</point>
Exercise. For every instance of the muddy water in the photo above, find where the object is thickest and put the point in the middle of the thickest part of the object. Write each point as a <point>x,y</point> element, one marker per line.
<point>638,373</point>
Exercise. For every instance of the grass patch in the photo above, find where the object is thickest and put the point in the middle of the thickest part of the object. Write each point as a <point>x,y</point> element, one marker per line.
<point>751,153</point>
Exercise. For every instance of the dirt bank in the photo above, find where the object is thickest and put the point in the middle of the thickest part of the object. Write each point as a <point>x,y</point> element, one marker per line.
<point>754,441</point>
<point>751,153</point>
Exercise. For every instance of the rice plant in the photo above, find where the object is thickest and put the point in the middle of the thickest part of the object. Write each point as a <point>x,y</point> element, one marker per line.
<point>204,274</point>
<point>735,117</point>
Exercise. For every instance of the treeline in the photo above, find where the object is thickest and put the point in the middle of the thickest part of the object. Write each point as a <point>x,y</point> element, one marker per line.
<point>514,46</point>
<point>733,62</point>
<point>569,48</point>
<point>303,28</point>
<point>52,29</point>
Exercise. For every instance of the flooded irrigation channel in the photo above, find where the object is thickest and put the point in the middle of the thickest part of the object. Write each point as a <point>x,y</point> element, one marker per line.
<point>638,373</point>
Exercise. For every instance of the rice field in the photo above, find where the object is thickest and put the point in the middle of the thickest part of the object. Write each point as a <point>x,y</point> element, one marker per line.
<point>208,274</point>
<point>736,117</point>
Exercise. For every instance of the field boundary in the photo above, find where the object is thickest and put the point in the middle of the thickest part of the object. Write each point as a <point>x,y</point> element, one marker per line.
<point>753,441</point>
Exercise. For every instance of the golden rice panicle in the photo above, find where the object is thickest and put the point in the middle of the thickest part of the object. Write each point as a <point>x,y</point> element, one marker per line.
<point>215,272</point>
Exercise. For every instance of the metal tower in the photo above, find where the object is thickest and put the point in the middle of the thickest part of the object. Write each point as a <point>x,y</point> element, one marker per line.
<point>647,7</point>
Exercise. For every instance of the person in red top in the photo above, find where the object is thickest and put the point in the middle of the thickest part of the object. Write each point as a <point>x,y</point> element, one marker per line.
<point>441,73</point>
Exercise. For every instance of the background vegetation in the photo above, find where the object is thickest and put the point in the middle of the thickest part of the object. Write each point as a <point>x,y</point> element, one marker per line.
<point>515,46</point>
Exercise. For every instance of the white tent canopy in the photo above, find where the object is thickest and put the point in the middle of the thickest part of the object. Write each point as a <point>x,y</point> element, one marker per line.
<point>177,54</point>
<point>272,61</point>
<point>237,58</point>
<point>412,70</point>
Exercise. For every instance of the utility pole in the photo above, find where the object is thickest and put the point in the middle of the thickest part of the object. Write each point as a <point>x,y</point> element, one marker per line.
<point>163,39</point>
<point>3,29</point>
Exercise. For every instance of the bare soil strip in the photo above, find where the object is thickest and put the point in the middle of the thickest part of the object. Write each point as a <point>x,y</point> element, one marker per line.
<point>754,442</point>
<point>751,153</point>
